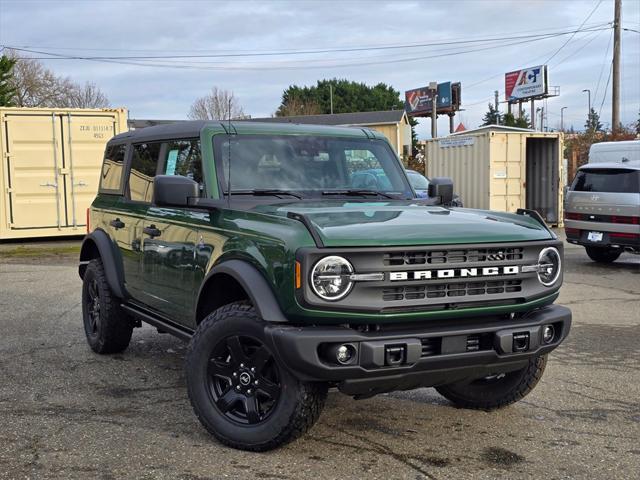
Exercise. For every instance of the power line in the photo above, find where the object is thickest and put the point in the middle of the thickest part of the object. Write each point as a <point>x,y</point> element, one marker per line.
<point>573,54</point>
<point>571,37</point>
<point>305,52</point>
<point>144,61</point>
<point>604,96</point>
<point>313,51</point>
<point>604,62</point>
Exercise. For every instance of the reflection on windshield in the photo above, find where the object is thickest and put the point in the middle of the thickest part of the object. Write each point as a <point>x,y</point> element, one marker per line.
<point>309,164</point>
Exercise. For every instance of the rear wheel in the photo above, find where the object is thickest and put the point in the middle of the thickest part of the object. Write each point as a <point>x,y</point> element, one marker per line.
<point>107,327</point>
<point>239,391</point>
<point>603,254</point>
<point>496,391</point>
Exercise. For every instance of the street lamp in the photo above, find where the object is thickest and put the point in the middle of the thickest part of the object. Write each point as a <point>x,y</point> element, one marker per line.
<point>588,93</point>
<point>562,118</point>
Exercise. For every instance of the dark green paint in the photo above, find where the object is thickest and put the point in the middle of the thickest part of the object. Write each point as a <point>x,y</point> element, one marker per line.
<point>166,273</point>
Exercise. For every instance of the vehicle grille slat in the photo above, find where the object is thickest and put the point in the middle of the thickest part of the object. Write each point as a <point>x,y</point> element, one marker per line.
<point>457,289</point>
<point>461,256</point>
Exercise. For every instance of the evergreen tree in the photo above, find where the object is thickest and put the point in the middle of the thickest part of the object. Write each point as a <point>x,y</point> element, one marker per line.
<point>7,90</point>
<point>492,117</point>
<point>511,121</point>
<point>593,122</point>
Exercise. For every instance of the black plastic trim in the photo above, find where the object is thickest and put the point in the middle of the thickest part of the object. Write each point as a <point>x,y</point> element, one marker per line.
<point>111,260</point>
<point>254,283</point>
<point>298,347</point>
<point>302,218</point>
<point>183,333</point>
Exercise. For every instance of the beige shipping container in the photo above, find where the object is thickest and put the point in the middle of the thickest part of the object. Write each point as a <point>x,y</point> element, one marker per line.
<point>502,168</point>
<point>51,160</point>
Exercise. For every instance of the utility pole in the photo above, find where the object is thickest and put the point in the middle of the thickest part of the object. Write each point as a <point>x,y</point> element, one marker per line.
<point>495,93</point>
<point>331,97</point>
<point>615,90</point>
<point>562,118</point>
<point>533,115</point>
<point>434,116</point>
<point>589,97</point>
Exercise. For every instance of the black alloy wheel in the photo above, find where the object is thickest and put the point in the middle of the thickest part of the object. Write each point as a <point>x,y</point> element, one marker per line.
<point>243,379</point>
<point>93,307</point>
<point>238,388</point>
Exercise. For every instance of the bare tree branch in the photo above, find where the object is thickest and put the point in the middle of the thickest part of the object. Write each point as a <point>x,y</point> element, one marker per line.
<point>37,86</point>
<point>215,106</point>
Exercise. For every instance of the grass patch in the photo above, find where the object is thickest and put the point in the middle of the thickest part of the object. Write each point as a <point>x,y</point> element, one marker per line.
<point>22,251</point>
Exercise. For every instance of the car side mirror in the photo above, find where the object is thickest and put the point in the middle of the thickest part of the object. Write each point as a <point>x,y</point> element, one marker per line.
<point>174,190</point>
<point>441,187</point>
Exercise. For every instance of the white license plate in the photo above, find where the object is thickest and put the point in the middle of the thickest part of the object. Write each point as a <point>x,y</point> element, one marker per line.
<point>594,236</point>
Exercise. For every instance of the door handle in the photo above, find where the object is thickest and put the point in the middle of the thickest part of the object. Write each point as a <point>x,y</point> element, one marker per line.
<point>152,231</point>
<point>117,223</point>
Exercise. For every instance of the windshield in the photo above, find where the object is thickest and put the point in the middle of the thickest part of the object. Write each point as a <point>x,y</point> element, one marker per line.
<point>310,165</point>
<point>418,182</point>
<point>607,180</point>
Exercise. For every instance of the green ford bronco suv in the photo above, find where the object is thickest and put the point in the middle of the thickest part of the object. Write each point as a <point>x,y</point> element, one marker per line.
<point>290,272</point>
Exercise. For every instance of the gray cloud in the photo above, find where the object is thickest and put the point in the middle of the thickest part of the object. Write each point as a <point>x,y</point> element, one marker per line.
<point>159,27</point>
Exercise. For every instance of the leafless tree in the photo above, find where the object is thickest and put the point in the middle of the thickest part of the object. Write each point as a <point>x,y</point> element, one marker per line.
<point>87,96</point>
<point>37,86</point>
<point>295,106</point>
<point>217,105</point>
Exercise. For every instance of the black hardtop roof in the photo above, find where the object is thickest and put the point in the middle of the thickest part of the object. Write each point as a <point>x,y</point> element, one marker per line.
<point>191,129</point>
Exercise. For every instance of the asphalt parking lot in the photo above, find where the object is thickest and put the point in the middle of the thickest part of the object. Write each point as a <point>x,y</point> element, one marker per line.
<point>68,413</point>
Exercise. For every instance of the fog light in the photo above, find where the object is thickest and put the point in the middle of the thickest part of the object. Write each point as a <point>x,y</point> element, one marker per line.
<point>548,334</point>
<point>344,353</point>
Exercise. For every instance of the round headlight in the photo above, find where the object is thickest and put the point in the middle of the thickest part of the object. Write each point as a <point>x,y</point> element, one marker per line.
<point>330,278</point>
<point>549,266</point>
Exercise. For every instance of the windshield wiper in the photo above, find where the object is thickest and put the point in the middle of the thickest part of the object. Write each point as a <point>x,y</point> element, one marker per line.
<point>265,192</point>
<point>357,192</point>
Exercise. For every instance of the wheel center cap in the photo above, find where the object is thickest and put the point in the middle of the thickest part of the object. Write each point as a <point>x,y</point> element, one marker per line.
<point>245,379</point>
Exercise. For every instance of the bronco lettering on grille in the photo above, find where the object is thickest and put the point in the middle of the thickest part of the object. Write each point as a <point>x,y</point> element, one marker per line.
<point>453,273</point>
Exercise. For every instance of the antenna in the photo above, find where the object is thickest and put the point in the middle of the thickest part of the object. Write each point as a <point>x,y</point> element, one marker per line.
<point>229,156</point>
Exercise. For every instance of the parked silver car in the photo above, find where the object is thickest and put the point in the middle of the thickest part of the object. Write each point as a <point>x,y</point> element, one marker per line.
<point>602,209</point>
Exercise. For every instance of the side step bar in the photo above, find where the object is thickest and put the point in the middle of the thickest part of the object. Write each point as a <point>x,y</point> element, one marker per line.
<point>183,333</point>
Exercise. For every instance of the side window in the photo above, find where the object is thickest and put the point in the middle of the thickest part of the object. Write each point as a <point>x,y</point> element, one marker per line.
<point>184,158</point>
<point>144,164</point>
<point>111,176</point>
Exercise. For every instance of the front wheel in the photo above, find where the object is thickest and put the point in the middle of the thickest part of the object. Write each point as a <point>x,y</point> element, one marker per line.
<point>238,390</point>
<point>495,391</point>
<point>603,254</point>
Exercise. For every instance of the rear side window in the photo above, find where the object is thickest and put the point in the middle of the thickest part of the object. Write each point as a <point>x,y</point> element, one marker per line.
<point>144,164</point>
<point>607,180</point>
<point>184,158</point>
<point>112,166</point>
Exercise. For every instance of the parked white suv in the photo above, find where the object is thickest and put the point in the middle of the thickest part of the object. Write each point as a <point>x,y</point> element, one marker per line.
<point>602,209</point>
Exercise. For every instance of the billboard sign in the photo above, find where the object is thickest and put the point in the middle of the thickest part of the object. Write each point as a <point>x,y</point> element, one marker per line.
<point>419,101</point>
<point>526,83</point>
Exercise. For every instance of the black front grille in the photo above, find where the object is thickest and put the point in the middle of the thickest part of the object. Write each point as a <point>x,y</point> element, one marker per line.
<point>444,290</point>
<point>439,257</point>
<point>431,346</point>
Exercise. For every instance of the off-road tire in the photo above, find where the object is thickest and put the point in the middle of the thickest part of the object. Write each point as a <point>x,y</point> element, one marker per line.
<point>603,254</point>
<point>299,403</point>
<point>112,332</point>
<point>490,394</point>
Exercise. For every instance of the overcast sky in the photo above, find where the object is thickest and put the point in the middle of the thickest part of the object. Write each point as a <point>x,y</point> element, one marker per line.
<point>143,28</point>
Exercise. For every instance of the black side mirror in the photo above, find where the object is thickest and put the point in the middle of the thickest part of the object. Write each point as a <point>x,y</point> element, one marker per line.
<point>174,190</point>
<point>441,187</point>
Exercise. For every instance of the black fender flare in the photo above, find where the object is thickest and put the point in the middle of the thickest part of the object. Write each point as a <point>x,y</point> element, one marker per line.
<point>111,260</point>
<point>254,283</point>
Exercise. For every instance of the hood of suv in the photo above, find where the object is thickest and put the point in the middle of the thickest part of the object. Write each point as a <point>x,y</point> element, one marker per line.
<point>355,224</point>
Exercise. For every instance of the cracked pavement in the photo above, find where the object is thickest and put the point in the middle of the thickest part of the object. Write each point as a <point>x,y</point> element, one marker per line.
<point>68,413</point>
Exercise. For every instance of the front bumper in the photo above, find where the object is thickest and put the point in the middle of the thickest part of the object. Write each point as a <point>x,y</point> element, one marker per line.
<point>412,358</point>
